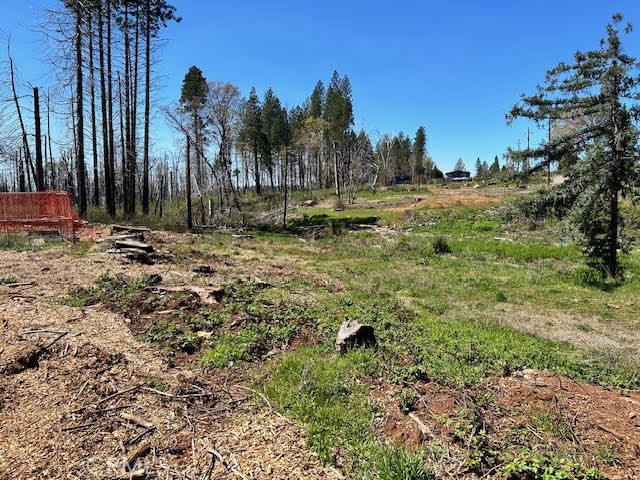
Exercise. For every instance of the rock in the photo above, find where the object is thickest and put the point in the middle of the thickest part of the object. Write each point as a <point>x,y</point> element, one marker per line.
<point>354,334</point>
<point>308,203</point>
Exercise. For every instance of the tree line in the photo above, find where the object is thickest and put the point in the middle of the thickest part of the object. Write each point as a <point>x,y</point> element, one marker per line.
<point>255,143</point>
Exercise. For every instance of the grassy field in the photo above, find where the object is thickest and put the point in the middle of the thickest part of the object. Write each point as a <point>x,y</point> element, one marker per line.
<point>457,297</point>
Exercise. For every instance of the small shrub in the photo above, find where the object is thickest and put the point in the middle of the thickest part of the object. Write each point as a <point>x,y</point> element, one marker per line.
<point>15,242</point>
<point>501,297</point>
<point>530,466</point>
<point>8,279</point>
<point>407,400</point>
<point>441,246</point>
<point>232,347</point>
<point>156,382</point>
<point>607,456</point>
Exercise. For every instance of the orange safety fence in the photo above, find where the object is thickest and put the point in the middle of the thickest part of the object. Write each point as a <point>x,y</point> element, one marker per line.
<point>47,212</point>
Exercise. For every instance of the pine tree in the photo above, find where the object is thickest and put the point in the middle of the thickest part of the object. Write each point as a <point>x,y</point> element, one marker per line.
<point>192,100</point>
<point>316,101</point>
<point>601,86</point>
<point>478,169</point>
<point>494,169</point>
<point>251,132</point>
<point>459,165</point>
<point>419,149</point>
<point>339,115</point>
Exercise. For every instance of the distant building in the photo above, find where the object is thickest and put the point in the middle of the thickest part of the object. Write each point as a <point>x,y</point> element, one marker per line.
<point>458,176</point>
<point>403,179</point>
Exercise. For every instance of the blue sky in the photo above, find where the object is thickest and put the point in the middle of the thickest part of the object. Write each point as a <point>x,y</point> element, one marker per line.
<point>453,66</point>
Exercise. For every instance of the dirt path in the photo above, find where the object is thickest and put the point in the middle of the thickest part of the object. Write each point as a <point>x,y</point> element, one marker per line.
<point>82,406</point>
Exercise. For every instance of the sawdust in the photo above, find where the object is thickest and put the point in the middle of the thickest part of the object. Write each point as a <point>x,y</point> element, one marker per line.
<point>98,397</point>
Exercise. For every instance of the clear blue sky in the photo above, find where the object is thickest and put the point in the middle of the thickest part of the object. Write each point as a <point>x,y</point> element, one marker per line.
<point>454,66</point>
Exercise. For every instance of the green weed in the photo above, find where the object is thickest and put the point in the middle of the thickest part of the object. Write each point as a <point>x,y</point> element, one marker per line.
<point>532,466</point>
<point>398,464</point>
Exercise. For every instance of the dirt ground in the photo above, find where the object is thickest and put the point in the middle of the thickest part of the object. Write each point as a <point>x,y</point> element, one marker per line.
<point>526,408</point>
<point>81,397</point>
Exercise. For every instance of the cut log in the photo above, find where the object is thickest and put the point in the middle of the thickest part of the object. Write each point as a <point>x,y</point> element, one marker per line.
<point>354,334</point>
<point>129,228</point>
<point>208,295</point>
<point>145,247</point>
<point>124,236</point>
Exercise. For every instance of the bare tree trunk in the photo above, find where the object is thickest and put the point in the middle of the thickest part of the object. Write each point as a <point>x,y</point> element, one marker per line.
<point>111,207</point>
<point>147,94</point>
<point>80,163</point>
<point>25,143</point>
<point>106,146</point>
<point>284,212</point>
<point>20,166</point>
<point>133,148</point>
<point>94,137</point>
<point>53,168</point>
<point>128,182</point>
<point>336,174</point>
<point>256,166</point>
<point>188,181</point>
<point>39,180</point>
<point>122,143</point>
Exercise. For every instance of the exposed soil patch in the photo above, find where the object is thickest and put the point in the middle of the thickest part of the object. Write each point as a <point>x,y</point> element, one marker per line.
<point>527,410</point>
<point>562,411</point>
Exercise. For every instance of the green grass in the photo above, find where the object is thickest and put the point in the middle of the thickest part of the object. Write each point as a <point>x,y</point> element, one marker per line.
<point>22,243</point>
<point>322,394</point>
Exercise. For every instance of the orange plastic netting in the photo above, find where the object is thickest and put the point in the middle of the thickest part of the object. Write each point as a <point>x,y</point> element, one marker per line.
<point>48,211</point>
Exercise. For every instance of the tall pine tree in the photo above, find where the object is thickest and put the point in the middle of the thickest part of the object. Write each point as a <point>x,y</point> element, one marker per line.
<point>601,86</point>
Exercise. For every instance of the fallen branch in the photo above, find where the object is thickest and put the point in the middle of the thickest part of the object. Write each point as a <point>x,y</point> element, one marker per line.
<point>138,437</point>
<point>426,432</point>
<point>608,430</point>
<point>138,452</point>
<point>117,394</point>
<point>129,228</point>
<point>20,284</point>
<point>30,332</point>
<point>226,464</point>
<point>133,419</point>
<point>242,387</point>
<point>178,397</point>
<point>63,334</point>
<point>78,427</point>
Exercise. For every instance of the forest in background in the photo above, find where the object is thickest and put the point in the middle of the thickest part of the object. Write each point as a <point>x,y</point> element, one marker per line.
<point>90,131</point>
